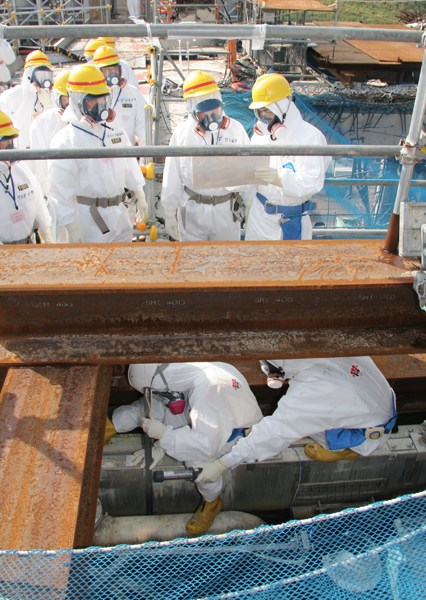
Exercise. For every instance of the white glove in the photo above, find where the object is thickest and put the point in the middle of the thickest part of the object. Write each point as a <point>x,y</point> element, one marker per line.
<point>157,454</point>
<point>75,234</point>
<point>269,175</point>
<point>45,98</point>
<point>212,471</point>
<point>247,206</point>
<point>153,428</point>
<point>172,227</point>
<point>142,207</point>
<point>138,459</point>
<point>45,235</point>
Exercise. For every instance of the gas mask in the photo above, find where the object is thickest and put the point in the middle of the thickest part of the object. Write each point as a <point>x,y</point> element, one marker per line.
<point>267,117</point>
<point>97,108</point>
<point>275,375</point>
<point>42,77</point>
<point>113,75</point>
<point>209,114</point>
<point>175,401</point>
<point>7,143</point>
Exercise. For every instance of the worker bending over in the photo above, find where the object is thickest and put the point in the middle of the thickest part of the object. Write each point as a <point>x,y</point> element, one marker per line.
<point>198,412</point>
<point>344,404</point>
<point>280,206</point>
<point>42,131</point>
<point>90,194</point>
<point>22,208</point>
<point>204,215</point>
<point>127,101</point>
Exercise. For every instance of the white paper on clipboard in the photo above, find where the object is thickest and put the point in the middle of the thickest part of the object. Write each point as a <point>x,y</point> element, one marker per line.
<point>226,171</point>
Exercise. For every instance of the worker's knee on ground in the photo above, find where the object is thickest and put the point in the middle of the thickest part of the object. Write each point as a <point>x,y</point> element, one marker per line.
<point>110,431</point>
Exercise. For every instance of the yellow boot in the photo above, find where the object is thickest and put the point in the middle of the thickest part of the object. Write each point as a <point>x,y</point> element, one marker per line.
<point>317,452</point>
<point>109,431</point>
<point>204,516</point>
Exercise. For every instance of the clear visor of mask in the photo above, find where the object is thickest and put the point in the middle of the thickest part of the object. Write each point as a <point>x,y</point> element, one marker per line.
<point>209,114</point>
<point>265,115</point>
<point>97,107</point>
<point>112,74</point>
<point>43,77</point>
<point>7,143</point>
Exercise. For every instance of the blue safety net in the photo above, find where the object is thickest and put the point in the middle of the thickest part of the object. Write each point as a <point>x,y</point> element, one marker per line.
<point>371,553</point>
<point>350,205</point>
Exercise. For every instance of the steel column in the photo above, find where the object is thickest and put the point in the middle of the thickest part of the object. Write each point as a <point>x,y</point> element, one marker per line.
<point>51,439</point>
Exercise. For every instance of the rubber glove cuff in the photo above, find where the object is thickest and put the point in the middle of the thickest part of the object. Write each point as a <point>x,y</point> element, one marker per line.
<point>171,223</point>
<point>142,206</point>
<point>45,235</point>
<point>269,175</point>
<point>75,234</point>
<point>153,428</point>
<point>212,471</point>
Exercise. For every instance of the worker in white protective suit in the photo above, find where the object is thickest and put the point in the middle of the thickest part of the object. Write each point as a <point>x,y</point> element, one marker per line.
<point>90,195</point>
<point>22,208</point>
<point>127,70</point>
<point>25,101</point>
<point>344,404</point>
<point>211,214</point>
<point>90,49</point>
<point>281,203</point>
<point>127,101</point>
<point>198,412</point>
<point>42,131</point>
<point>7,57</point>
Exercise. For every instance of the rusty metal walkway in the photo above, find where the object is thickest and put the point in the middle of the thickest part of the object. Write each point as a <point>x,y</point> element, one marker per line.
<point>123,303</point>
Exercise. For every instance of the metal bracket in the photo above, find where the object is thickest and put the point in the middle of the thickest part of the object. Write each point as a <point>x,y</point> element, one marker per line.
<point>420,288</point>
<point>410,155</point>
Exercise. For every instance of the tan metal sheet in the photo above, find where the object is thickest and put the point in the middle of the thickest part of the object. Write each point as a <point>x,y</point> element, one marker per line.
<point>296,5</point>
<point>383,52</point>
<point>344,54</point>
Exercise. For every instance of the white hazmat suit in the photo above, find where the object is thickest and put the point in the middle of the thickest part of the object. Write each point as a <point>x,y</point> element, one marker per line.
<point>23,103</point>
<point>7,57</point>
<point>301,177</point>
<point>203,222</point>
<point>93,178</point>
<point>129,104</point>
<point>22,206</point>
<point>218,401</point>
<point>129,74</point>
<point>324,394</point>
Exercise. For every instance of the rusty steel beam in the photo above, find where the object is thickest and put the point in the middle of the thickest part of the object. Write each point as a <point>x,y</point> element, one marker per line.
<point>123,303</point>
<point>51,439</point>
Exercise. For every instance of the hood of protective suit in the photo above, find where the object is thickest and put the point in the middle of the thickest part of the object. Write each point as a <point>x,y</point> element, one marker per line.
<point>140,377</point>
<point>26,77</point>
<point>192,102</point>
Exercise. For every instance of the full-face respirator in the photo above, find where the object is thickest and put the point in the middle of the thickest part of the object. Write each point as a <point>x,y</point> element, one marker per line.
<point>209,114</point>
<point>275,375</point>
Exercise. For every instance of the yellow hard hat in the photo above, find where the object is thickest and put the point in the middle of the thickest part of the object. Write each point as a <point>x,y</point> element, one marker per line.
<point>88,79</point>
<point>198,84</point>
<point>269,88</point>
<point>105,56</point>
<point>108,41</point>
<point>37,59</point>
<point>61,83</point>
<point>6,126</point>
<point>91,47</point>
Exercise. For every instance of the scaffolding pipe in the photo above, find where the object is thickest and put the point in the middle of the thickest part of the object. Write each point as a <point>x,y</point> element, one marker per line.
<point>373,182</point>
<point>149,182</point>
<point>408,157</point>
<point>138,151</point>
<point>158,99</point>
<point>213,31</point>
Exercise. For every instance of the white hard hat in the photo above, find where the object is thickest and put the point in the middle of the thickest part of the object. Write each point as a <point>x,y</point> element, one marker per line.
<point>140,376</point>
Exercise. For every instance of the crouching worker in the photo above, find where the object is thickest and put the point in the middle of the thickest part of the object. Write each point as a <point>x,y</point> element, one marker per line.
<point>22,207</point>
<point>198,412</point>
<point>344,404</point>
